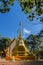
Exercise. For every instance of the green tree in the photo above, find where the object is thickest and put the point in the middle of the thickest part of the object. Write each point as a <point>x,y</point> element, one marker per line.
<point>4,42</point>
<point>40,34</point>
<point>40,54</point>
<point>34,8</point>
<point>33,42</point>
<point>5,5</point>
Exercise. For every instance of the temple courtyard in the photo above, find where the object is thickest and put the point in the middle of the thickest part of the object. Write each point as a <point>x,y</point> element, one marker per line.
<point>21,62</point>
<point>33,62</point>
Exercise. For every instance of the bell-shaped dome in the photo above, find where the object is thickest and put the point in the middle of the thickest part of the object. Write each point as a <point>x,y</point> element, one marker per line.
<point>20,49</point>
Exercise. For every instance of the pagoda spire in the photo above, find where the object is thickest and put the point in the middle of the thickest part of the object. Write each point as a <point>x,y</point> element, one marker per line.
<point>20,31</point>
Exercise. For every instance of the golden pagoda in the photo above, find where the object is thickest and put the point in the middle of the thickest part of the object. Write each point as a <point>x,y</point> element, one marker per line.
<point>18,50</point>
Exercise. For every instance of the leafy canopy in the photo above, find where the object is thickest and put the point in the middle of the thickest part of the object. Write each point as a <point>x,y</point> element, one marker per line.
<point>34,8</point>
<point>5,5</point>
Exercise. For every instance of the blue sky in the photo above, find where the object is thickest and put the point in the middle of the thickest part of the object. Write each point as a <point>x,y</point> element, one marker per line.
<point>9,23</point>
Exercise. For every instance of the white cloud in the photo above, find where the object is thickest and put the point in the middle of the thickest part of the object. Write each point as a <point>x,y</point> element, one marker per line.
<point>26,31</point>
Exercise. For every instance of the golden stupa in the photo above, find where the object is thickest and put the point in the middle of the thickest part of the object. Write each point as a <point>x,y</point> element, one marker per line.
<point>18,50</point>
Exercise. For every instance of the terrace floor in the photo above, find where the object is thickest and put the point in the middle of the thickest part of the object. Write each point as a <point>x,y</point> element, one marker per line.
<point>34,62</point>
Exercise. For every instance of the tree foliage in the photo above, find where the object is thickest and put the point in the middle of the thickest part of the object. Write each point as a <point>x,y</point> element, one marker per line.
<point>4,43</point>
<point>34,41</point>
<point>41,34</point>
<point>5,5</point>
<point>40,53</point>
<point>33,8</point>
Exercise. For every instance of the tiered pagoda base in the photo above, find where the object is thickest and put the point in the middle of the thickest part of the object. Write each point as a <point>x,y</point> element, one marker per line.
<point>24,57</point>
